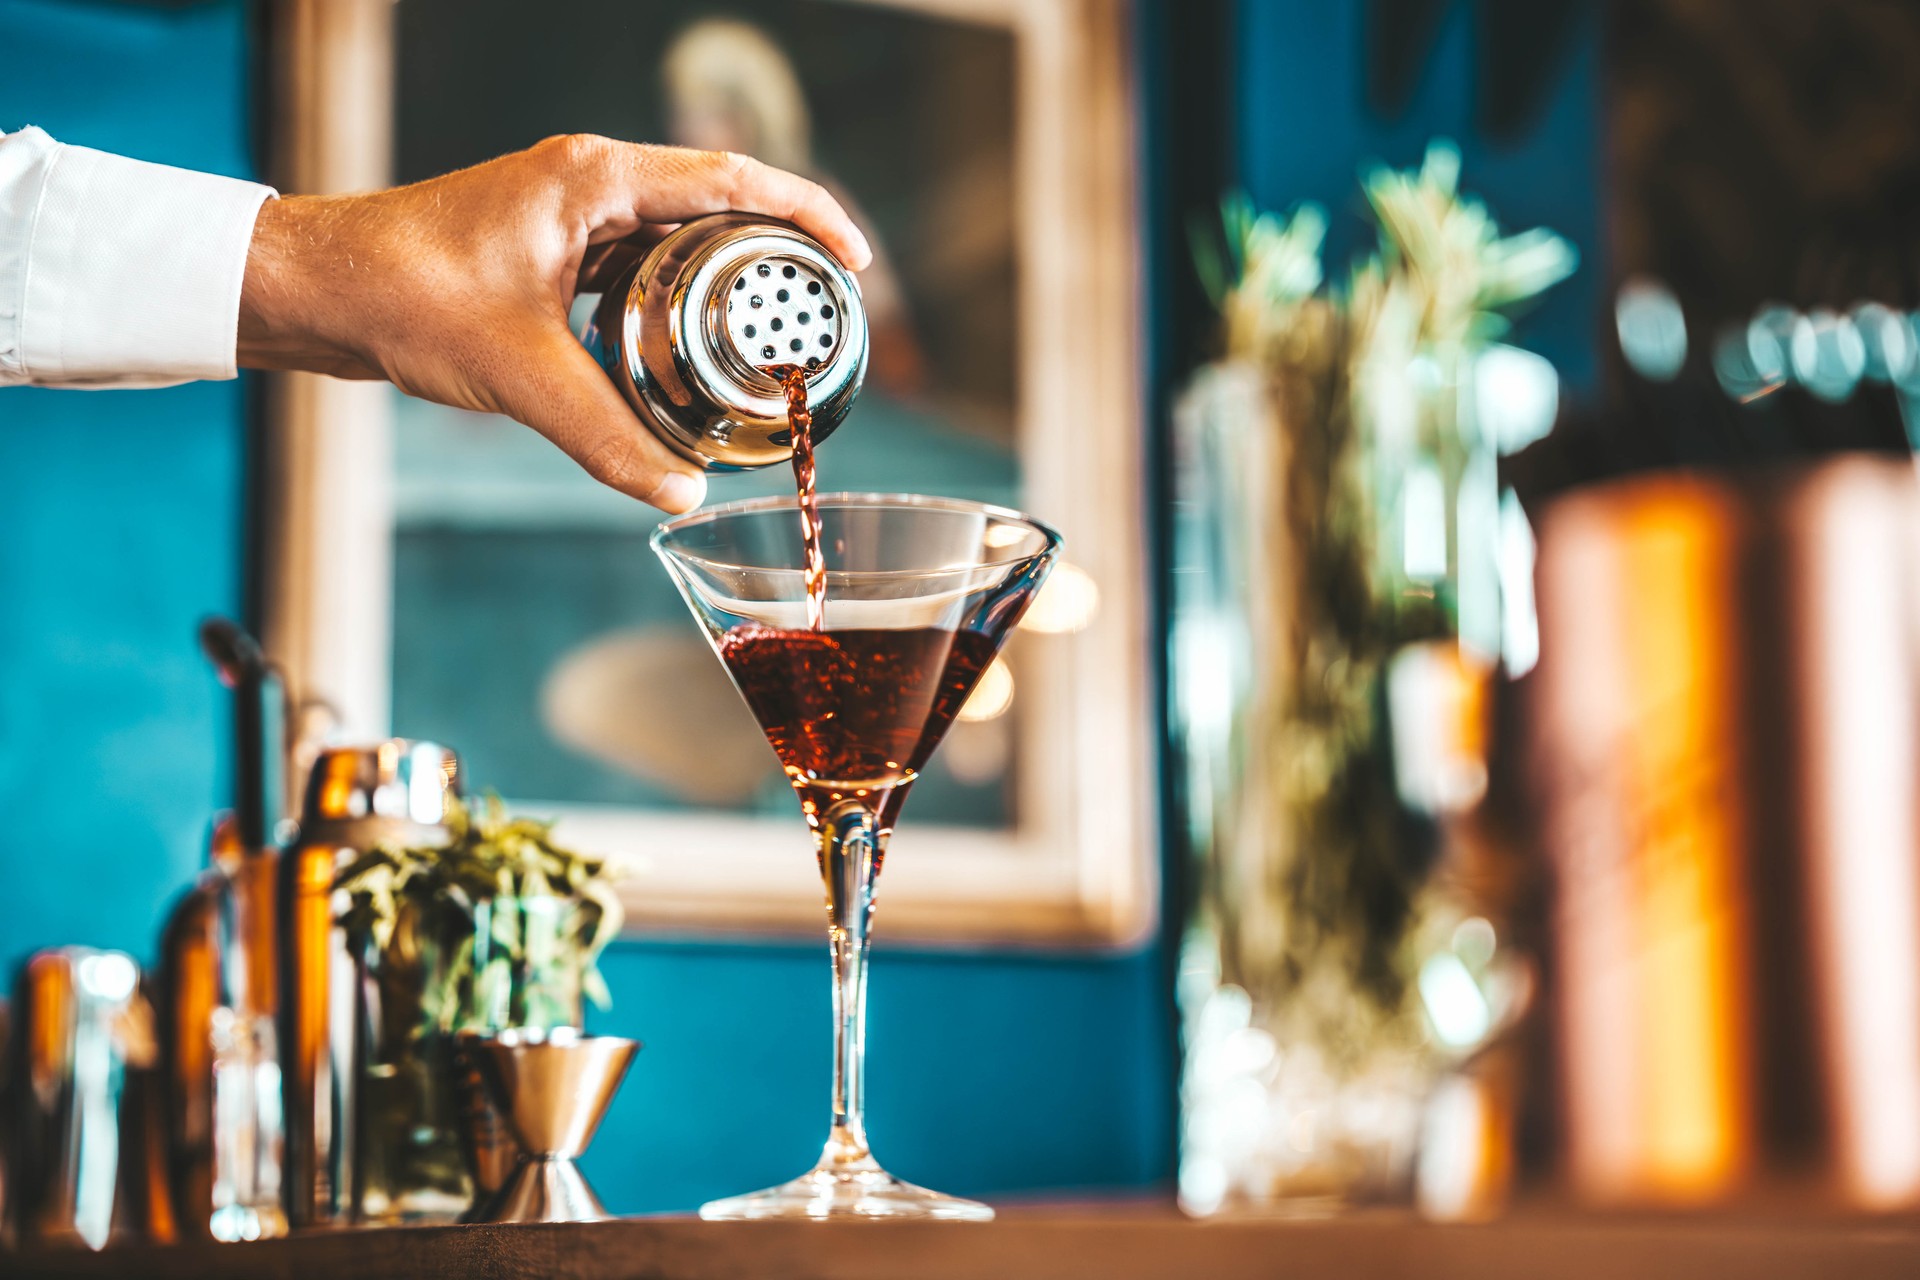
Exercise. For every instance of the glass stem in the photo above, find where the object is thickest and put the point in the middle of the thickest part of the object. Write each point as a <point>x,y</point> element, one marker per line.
<point>849,860</point>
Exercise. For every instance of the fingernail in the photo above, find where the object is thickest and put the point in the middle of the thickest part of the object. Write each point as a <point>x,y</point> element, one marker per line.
<point>863,252</point>
<point>680,491</point>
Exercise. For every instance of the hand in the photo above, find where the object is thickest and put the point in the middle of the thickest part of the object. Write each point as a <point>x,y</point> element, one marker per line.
<point>457,289</point>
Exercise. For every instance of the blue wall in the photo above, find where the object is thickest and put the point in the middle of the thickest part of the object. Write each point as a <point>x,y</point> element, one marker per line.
<point>1304,130</point>
<point>122,527</point>
<point>121,524</point>
<point>987,1075</point>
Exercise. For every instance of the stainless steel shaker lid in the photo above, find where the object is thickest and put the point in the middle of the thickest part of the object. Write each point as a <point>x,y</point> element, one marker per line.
<point>697,336</point>
<point>397,790</point>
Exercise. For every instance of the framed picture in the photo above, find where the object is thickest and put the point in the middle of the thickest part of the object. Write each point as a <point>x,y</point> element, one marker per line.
<point>453,576</point>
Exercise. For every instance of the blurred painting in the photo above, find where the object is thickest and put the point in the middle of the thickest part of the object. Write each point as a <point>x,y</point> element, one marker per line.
<point>531,625</point>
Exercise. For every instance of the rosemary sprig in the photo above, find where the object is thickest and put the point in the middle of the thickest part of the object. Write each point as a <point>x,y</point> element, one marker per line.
<point>1305,877</point>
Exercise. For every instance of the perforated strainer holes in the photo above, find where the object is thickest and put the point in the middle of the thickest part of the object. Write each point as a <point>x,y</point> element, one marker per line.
<point>794,306</point>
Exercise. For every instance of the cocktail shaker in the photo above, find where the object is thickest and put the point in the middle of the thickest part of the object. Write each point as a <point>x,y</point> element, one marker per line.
<point>696,332</point>
<point>396,792</point>
<point>81,1024</point>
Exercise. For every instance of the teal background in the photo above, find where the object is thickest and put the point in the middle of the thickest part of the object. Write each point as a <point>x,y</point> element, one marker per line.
<point>121,522</point>
<point>1303,132</point>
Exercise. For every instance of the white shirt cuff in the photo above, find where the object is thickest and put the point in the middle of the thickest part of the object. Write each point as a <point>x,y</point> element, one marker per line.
<point>131,273</point>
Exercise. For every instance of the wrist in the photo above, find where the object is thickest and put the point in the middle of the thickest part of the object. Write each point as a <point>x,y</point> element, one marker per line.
<point>284,297</point>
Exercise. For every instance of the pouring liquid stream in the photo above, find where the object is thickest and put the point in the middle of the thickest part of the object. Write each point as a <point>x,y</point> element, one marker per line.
<point>793,380</point>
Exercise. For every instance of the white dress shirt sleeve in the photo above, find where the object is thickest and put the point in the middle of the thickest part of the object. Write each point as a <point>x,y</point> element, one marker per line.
<point>116,272</point>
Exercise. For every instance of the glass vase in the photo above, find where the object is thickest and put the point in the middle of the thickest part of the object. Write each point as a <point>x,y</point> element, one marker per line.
<point>1336,615</point>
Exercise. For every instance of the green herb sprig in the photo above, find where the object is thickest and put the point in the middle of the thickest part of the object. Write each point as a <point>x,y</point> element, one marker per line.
<point>564,913</point>
<point>1304,880</point>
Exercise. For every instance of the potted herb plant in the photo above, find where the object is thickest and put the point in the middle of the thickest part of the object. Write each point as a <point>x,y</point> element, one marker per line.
<point>500,928</point>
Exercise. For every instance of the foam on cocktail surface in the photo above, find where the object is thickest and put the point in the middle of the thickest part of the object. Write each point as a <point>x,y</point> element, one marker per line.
<point>880,602</point>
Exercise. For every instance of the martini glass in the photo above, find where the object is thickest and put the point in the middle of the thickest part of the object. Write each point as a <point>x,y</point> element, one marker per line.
<point>921,592</point>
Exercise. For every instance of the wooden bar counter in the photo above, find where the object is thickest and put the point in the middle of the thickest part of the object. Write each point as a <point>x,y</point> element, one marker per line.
<point>1046,1244</point>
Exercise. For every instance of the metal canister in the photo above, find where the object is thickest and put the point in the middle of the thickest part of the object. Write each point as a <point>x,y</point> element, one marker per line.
<point>358,799</point>
<point>81,1024</point>
<point>1727,720</point>
<point>698,333</point>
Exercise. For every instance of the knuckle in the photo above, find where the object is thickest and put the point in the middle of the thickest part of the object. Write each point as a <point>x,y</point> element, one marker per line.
<point>733,169</point>
<point>617,463</point>
<point>812,195</point>
<point>574,150</point>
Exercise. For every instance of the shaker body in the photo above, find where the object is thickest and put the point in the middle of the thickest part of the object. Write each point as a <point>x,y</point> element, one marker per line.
<point>82,1025</point>
<point>698,334</point>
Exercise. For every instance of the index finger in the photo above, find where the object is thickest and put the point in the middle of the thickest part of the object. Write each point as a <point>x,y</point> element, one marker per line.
<point>672,184</point>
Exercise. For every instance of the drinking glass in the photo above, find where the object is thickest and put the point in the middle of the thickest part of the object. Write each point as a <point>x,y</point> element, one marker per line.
<point>920,594</point>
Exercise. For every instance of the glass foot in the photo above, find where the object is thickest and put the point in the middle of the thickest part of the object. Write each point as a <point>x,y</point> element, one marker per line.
<point>867,1192</point>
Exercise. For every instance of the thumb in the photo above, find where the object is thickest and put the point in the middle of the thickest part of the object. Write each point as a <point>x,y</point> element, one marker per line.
<point>554,386</point>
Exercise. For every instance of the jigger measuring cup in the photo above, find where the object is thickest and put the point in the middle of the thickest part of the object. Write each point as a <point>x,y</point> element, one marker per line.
<point>551,1088</point>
